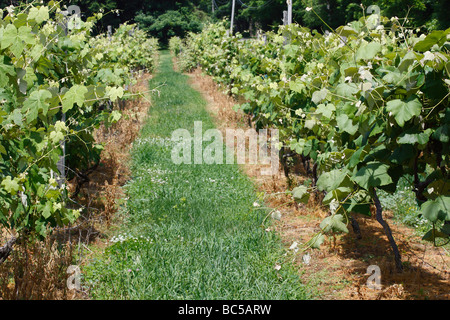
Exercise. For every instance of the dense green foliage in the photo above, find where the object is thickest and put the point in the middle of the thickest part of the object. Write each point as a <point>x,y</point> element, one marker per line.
<point>367,105</point>
<point>191,231</point>
<point>164,19</point>
<point>169,24</point>
<point>160,18</point>
<point>268,14</point>
<point>175,45</point>
<point>46,70</point>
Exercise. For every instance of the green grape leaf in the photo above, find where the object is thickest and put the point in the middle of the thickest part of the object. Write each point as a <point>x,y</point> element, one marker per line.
<point>355,206</point>
<point>35,103</point>
<point>114,116</point>
<point>37,51</point>
<point>47,210</point>
<point>346,31</point>
<point>404,110</point>
<point>374,98</point>
<point>434,37</point>
<point>114,92</point>
<point>56,136</point>
<point>346,89</point>
<point>298,145</point>
<point>316,241</point>
<point>319,95</point>
<point>413,138</point>
<point>407,61</point>
<point>16,117</point>
<point>437,209</point>
<point>301,194</point>
<point>368,51</point>
<point>5,69</point>
<point>345,124</point>
<point>355,158</point>
<point>442,133</point>
<point>297,86</point>
<point>334,223</point>
<point>338,194</point>
<point>16,39</point>
<point>331,180</point>
<point>74,95</point>
<point>38,14</point>
<point>326,110</point>
<point>374,174</point>
<point>10,186</point>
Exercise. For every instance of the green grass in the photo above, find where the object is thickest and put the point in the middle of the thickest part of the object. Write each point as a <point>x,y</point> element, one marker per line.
<point>404,206</point>
<point>191,231</point>
<point>406,211</point>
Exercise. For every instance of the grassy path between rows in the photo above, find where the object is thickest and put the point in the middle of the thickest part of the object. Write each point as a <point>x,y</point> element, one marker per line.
<point>191,231</point>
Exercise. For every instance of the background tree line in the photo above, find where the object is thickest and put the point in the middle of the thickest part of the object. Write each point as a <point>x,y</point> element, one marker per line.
<point>267,14</point>
<point>166,18</point>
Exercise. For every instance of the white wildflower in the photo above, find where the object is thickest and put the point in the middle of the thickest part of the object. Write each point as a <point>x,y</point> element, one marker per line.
<point>334,205</point>
<point>427,56</point>
<point>276,215</point>
<point>306,258</point>
<point>294,246</point>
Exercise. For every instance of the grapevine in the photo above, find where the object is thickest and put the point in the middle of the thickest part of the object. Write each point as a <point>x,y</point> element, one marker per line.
<point>49,66</point>
<point>364,106</point>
